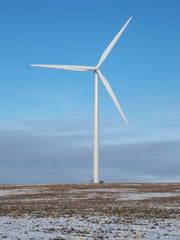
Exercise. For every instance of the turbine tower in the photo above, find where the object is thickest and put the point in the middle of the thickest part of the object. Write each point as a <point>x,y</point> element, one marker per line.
<point>97,74</point>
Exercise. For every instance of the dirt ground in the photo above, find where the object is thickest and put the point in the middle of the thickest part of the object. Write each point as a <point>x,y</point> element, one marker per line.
<point>119,203</point>
<point>82,199</point>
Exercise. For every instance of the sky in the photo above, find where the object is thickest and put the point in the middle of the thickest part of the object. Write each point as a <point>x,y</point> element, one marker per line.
<point>46,120</point>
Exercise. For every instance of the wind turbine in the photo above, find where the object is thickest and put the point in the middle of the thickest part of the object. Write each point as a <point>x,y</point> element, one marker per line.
<point>97,74</point>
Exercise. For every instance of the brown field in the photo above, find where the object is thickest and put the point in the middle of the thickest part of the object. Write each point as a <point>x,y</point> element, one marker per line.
<point>124,207</point>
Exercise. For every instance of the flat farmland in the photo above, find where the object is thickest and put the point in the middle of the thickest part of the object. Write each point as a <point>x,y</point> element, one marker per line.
<point>90,211</point>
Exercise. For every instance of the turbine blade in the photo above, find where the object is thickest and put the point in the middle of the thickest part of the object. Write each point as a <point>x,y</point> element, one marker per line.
<point>111,45</point>
<point>66,67</point>
<point>110,91</point>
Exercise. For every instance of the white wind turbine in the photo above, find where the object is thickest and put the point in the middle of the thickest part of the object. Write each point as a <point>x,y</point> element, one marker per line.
<point>108,88</point>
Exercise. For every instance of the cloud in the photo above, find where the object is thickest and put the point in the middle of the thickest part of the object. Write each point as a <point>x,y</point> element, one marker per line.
<point>143,161</point>
<point>62,152</point>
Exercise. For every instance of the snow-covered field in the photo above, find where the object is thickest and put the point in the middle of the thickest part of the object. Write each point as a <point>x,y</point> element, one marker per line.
<point>103,211</point>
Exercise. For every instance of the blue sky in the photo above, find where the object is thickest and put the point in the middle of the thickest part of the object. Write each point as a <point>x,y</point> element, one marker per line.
<point>46,123</point>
